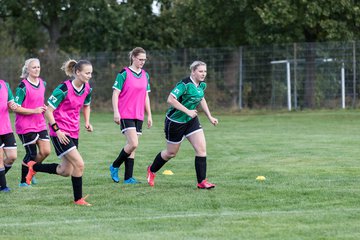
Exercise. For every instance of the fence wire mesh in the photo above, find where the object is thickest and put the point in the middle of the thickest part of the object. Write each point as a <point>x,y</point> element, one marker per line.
<point>282,76</point>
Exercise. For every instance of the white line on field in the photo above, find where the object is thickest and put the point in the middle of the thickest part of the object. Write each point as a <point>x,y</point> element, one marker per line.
<point>72,221</point>
<point>171,216</point>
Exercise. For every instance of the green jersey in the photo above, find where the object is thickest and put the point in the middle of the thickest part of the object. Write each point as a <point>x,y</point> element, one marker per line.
<point>189,95</point>
<point>10,95</point>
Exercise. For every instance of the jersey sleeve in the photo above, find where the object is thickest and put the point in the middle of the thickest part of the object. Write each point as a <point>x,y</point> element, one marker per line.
<point>20,94</point>
<point>178,90</point>
<point>57,96</point>
<point>10,95</point>
<point>203,86</point>
<point>88,98</point>
<point>148,85</point>
<point>119,81</point>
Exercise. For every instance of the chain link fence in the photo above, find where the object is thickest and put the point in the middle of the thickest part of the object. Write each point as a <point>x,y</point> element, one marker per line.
<point>284,76</point>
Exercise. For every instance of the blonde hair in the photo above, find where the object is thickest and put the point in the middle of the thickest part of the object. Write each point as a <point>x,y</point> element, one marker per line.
<point>135,52</point>
<point>71,66</point>
<point>196,64</point>
<point>25,68</point>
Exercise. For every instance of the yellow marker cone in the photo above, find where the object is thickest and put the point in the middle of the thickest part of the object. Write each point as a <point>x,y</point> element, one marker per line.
<point>168,172</point>
<point>260,178</point>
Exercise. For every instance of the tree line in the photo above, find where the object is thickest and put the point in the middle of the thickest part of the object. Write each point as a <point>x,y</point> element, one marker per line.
<point>32,27</point>
<point>114,25</point>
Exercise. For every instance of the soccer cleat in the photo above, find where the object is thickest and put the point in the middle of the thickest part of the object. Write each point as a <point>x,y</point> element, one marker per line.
<point>31,172</point>
<point>114,173</point>
<point>6,189</point>
<point>150,176</point>
<point>205,185</point>
<point>131,181</point>
<point>24,184</point>
<point>82,202</point>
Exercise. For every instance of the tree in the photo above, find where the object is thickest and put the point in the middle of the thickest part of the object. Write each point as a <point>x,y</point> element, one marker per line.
<point>200,23</point>
<point>304,20</point>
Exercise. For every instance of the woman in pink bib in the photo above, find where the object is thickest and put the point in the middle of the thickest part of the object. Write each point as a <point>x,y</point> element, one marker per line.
<point>130,99</point>
<point>30,123</point>
<point>63,115</point>
<point>8,148</point>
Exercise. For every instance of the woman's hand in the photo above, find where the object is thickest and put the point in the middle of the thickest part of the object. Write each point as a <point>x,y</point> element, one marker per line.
<point>62,137</point>
<point>117,118</point>
<point>39,110</point>
<point>89,127</point>
<point>149,122</point>
<point>213,121</point>
<point>191,113</point>
<point>12,105</point>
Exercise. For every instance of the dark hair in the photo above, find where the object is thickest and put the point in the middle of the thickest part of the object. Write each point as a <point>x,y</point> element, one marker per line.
<point>71,66</point>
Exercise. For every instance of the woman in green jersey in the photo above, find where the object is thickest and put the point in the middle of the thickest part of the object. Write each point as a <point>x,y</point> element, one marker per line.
<point>182,122</point>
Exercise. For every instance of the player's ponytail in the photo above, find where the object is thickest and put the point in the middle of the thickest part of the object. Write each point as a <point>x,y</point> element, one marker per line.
<point>71,66</point>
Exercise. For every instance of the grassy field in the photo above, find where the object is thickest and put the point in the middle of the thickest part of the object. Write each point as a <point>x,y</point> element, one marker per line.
<point>312,187</point>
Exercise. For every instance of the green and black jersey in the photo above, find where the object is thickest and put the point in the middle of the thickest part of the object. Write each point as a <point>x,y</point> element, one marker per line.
<point>20,92</point>
<point>189,95</point>
<point>60,92</point>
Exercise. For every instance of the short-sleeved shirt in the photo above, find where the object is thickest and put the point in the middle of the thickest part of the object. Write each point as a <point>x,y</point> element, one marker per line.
<point>189,95</point>
<point>133,88</point>
<point>6,96</point>
<point>67,102</point>
<point>30,96</point>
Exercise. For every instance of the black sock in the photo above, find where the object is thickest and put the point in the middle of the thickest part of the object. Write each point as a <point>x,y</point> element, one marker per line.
<point>24,172</point>
<point>200,168</point>
<point>2,178</point>
<point>7,168</point>
<point>46,167</point>
<point>77,187</point>
<point>129,168</point>
<point>120,159</point>
<point>157,164</point>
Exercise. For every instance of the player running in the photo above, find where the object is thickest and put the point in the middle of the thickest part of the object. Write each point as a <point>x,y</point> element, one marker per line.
<point>63,115</point>
<point>8,148</point>
<point>182,122</point>
<point>30,123</point>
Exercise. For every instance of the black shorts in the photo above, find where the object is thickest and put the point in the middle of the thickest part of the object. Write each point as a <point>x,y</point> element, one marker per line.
<point>32,137</point>
<point>176,132</point>
<point>126,124</point>
<point>62,149</point>
<point>7,141</point>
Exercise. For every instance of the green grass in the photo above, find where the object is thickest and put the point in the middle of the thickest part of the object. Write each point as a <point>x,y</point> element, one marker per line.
<point>310,161</point>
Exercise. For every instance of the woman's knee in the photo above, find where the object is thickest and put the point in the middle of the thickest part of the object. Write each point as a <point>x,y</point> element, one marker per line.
<point>132,146</point>
<point>10,159</point>
<point>169,154</point>
<point>44,152</point>
<point>200,152</point>
<point>81,167</point>
<point>200,149</point>
<point>65,172</point>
